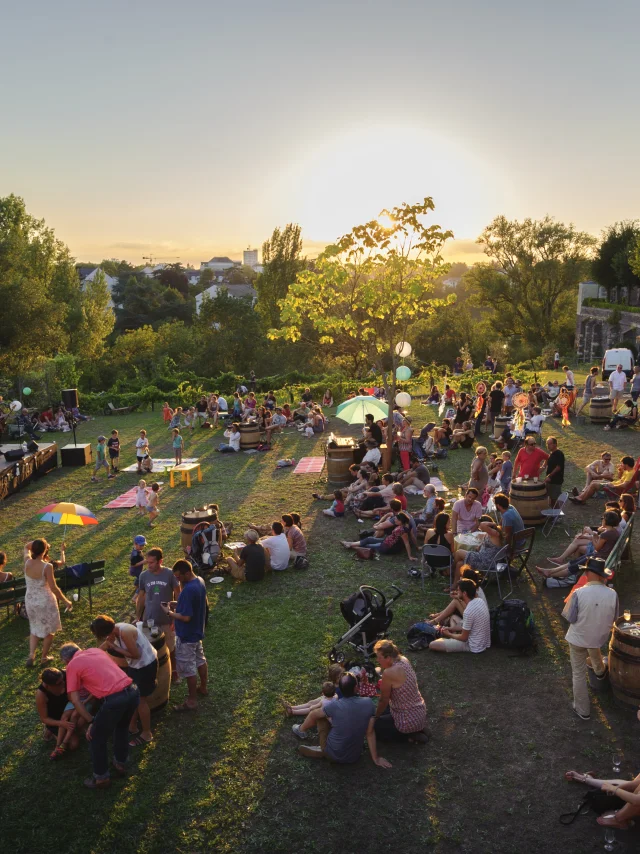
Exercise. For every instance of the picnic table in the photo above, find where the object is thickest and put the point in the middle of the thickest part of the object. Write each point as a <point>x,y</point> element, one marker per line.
<point>185,470</point>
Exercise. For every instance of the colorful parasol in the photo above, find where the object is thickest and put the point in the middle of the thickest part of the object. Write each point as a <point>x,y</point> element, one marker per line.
<point>66,513</point>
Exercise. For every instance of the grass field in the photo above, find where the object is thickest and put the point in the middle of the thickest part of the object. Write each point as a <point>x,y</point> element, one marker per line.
<point>228,778</point>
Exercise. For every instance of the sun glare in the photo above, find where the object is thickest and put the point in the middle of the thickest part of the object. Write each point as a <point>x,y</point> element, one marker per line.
<point>351,178</point>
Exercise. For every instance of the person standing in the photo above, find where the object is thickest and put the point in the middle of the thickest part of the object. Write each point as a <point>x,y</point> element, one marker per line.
<point>142,447</point>
<point>178,443</point>
<point>555,471</point>
<point>528,460</point>
<point>97,672</point>
<point>556,361</point>
<point>41,599</point>
<point>569,379</point>
<point>617,385</point>
<point>113,446</point>
<point>591,611</point>
<point>589,387</point>
<point>497,399</point>
<point>101,460</point>
<point>158,584</point>
<point>405,443</point>
<point>189,617</point>
<point>635,384</point>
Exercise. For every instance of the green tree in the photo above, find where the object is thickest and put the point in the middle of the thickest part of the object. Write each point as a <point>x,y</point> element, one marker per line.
<point>38,283</point>
<point>282,261</point>
<point>368,290</point>
<point>146,301</point>
<point>229,333</point>
<point>612,268</point>
<point>173,276</point>
<point>113,267</point>
<point>531,285</point>
<point>91,318</point>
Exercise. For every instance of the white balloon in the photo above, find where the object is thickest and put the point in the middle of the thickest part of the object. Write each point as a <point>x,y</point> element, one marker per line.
<point>15,406</point>
<point>403,349</point>
<point>403,399</point>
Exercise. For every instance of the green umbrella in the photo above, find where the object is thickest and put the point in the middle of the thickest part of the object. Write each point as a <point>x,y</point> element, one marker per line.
<point>353,411</point>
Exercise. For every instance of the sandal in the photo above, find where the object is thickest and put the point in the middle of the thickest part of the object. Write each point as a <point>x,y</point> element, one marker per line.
<point>611,820</point>
<point>46,660</point>
<point>30,662</point>
<point>573,776</point>
<point>58,752</point>
<point>184,708</point>
<point>286,706</point>
<point>139,741</point>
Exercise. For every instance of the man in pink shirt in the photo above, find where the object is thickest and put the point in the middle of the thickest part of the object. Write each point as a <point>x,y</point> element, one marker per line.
<point>97,672</point>
<point>466,513</point>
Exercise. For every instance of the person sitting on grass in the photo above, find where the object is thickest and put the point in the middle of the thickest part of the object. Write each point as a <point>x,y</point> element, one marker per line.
<point>276,425</point>
<point>373,499</point>
<point>233,435</point>
<point>389,521</point>
<point>372,455</point>
<point>475,633</point>
<point>599,544</point>
<point>336,510</point>
<point>416,478</point>
<point>442,434</point>
<point>466,513</point>
<point>425,517</point>
<point>463,436</point>
<point>250,562</point>
<point>392,543</point>
<point>342,725</point>
<point>626,790</point>
<point>330,690</point>
<point>626,471</point>
<point>599,470</point>
<point>625,417</point>
<point>401,714</point>
<point>451,616</point>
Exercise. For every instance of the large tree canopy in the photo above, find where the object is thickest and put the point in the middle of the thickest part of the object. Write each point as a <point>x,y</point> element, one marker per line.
<point>612,266</point>
<point>282,260</point>
<point>530,287</point>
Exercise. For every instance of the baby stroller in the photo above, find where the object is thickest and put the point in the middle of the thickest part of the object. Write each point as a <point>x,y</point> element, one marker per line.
<point>369,616</point>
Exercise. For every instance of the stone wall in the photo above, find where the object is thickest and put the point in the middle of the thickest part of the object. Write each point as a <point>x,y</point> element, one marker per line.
<point>594,333</point>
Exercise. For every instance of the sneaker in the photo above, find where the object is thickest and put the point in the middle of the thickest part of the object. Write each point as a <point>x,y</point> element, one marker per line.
<point>92,783</point>
<point>582,717</point>
<point>295,729</point>
<point>94,480</point>
<point>111,477</point>
<point>575,491</point>
<point>607,427</point>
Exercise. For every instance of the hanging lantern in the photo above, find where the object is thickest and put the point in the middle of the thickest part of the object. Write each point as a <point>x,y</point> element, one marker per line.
<point>26,391</point>
<point>403,349</point>
<point>403,399</point>
<point>403,373</point>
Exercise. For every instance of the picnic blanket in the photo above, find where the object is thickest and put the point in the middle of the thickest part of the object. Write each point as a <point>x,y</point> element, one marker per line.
<point>124,501</point>
<point>161,465</point>
<point>439,485</point>
<point>309,465</point>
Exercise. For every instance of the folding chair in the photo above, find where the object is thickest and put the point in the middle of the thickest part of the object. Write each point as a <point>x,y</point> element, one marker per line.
<point>554,514</point>
<point>521,546</point>
<point>498,567</point>
<point>444,558</point>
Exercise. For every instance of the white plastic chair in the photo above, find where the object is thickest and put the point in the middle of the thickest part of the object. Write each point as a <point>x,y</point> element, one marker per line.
<point>554,514</point>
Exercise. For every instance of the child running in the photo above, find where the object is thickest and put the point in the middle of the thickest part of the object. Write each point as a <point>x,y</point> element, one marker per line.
<point>153,507</point>
<point>101,459</point>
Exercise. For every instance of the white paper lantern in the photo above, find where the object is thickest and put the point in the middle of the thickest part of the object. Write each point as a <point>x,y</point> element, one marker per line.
<point>403,349</point>
<point>403,399</point>
<point>15,406</point>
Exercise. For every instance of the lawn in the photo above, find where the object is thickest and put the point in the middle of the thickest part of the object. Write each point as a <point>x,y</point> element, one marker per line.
<point>228,778</point>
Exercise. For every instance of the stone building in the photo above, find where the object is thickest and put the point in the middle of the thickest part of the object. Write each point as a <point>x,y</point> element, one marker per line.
<point>599,329</point>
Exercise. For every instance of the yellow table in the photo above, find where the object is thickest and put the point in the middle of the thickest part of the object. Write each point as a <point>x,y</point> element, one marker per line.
<point>185,470</point>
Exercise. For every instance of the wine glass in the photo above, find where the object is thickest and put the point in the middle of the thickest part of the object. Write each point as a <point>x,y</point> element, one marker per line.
<point>609,839</point>
<point>617,761</point>
<point>150,622</point>
<point>627,615</point>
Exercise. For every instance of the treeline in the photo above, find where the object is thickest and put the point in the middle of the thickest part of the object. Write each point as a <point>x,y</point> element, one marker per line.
<point>147,334</point>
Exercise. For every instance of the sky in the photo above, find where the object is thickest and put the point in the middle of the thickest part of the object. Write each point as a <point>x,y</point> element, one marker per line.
<point>192,129</point>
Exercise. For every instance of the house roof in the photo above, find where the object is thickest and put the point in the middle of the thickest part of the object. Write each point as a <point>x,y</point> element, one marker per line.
<point>220,259</point>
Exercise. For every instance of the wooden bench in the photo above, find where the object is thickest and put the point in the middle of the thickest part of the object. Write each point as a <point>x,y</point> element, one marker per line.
<point>110,409</point>
<point>12,592</point>
<point>185,470</point>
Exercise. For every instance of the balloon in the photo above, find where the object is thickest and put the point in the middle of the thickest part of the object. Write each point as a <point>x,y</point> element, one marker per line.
<point>26,391</point>
<point>403,373</point>
<point>15,406</point>
<point>403,399</point>
<point>403,349</point>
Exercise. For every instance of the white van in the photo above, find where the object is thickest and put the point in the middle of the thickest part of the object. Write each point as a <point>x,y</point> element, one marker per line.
<point>613,358</point>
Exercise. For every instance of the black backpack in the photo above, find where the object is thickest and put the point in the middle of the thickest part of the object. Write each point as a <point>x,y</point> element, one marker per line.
<point>512,626</point>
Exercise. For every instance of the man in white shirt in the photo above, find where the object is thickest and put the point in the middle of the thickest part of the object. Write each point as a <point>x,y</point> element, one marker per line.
<point>223,406</point>
<point>601,469</point>
<point>617,385</point>
<point>277,423</point>
<point>233,435</point>
<point>475,634</point>
<point>591,610</point>
<point>373,454</point>
<point>277,548</point>
<point>569,380</point>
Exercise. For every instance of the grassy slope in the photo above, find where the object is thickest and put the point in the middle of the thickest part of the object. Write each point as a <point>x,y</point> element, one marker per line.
<point>228,778</point>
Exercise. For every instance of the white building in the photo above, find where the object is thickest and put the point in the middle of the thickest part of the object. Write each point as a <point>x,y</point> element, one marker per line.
<point>149,272</point>
<point>250,257</point>
<point>234,291</point>
<point>219,264</point>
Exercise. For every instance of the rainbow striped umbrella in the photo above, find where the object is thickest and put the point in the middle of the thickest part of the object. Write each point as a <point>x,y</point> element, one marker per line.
<point>66,513</point>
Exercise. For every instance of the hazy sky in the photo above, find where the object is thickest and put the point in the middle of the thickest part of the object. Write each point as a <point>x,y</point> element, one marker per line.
<point>192,128</point>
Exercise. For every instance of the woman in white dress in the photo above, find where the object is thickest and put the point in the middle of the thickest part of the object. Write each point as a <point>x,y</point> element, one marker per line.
<point>41,599</point>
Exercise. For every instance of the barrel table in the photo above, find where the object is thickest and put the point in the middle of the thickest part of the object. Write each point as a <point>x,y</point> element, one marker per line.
<point>338,462</point>
<point>600,410</point>
<point>624,663</point>
<point>501,421</point>
<point>191,518</point>
<point>530,498</point>
<point>160,697</point>
<point>249,436</point>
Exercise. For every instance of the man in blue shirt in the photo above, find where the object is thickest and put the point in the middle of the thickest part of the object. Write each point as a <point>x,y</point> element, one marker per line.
<point>342,725</point>
<point>510,520</point>
<point>189,615</point>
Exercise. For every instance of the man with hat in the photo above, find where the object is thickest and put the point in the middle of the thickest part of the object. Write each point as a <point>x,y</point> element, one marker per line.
<point>591,611</point>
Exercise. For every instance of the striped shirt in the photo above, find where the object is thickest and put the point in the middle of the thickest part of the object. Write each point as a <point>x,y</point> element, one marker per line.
<point>477,621</point>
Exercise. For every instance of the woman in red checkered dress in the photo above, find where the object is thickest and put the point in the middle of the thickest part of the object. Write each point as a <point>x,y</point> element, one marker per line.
<point>401,714</point>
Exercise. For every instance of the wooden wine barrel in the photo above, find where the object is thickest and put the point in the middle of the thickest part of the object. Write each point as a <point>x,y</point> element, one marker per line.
<point>624,663</point>
<point>249,436</point>
<point>160,696</point>
<point>529,499</point>
<point>191,518</point>
<point>500,423</point>
<point>600,410</point>
<point>338,462</point>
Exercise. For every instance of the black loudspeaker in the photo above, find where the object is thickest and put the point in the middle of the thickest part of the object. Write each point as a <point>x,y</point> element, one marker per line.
<point>76,455</point>
<point>32,446</point>
<point>12,456</point>
<point>70,397</point>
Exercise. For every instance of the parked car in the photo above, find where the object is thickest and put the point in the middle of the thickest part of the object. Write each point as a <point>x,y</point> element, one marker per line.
<point>613,358</point>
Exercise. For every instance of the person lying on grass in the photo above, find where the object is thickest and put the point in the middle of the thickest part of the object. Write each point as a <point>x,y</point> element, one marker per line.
<point>627,790</point>
<point>397,492</point>
<point>392,542</point>
<point>342,726</point>
<point>335,672</point>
